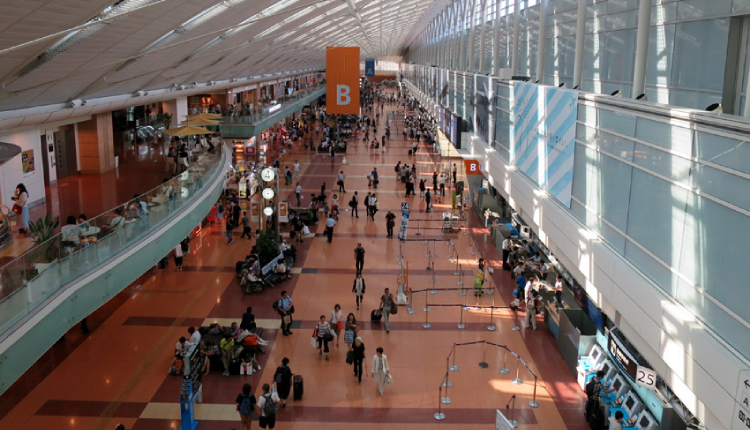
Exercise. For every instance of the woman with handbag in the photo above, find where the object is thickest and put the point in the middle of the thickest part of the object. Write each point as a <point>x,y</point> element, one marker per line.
<point>337,318</point>
<point>350,332</point>
<point>324,335</point>
<point>381,371</point>
<point>20,197</point>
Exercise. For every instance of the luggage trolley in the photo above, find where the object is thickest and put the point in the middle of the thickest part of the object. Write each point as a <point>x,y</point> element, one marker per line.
<point>455,226</point>
<point>446,222</point>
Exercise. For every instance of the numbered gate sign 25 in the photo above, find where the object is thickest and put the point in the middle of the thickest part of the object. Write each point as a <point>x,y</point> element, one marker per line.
<point>646,377</point>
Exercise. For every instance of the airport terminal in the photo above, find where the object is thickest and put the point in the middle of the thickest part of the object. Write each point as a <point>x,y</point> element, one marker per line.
<point>212,214</point>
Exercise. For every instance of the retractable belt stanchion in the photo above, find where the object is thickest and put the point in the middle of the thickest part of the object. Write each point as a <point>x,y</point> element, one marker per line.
<point>533,403</point>
<point>425,308</point>
<point>453,367</point>
<point>418,233</point>
<point>400,252</point>
<point>483,364</point>
<point>457,272</point>
<point>439,415</point>
<point>426,321</point>
<point>473,251</point>
<point>434,248</point>
<point>460,275</point>
<point>446,380</point>
<point>410,307</point>
<point>504,370</point>
<point>461,324</point>
<point>432,279</point>
<point>491,327</point>
<point>518,380</point>
<point>450,244</point>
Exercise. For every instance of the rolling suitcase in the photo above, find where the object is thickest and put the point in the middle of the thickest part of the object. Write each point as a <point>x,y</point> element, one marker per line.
<point>234,367</point>
<point>299,387</point>
<point>376,315</point>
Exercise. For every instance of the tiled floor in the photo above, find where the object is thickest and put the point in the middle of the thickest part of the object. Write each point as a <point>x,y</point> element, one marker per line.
<point>118,372</point>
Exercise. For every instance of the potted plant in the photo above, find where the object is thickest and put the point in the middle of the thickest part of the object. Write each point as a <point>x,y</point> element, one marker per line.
<point>46,250</point>
<point>42,229</point>
<point>268,246</point>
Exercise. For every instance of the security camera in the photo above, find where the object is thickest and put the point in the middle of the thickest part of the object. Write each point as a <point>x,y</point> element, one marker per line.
<point>563,85</point>
<point>643,97</point>
<point>716,108</point>
<point>617,93</point>
<point>75,103</point>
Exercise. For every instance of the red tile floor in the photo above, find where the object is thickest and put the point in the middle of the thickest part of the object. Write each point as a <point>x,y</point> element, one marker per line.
<point>118,372</point>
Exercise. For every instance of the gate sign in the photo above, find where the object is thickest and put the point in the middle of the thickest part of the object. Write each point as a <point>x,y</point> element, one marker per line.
<point>472,167</point>
<point>404,221</point>
<point>342,86</point>
<point>370,67</point>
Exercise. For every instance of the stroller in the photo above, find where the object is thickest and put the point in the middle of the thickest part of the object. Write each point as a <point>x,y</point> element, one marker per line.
<point>249,283</point>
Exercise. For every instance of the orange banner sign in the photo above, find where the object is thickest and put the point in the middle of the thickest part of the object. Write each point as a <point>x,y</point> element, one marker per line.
<point>472,167</point>
<point>342,85</point>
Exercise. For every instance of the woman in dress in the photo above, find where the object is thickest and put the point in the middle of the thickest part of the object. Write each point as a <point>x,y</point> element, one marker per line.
<point>380,369</point>
<point>20,197</point>
<point>350,330</point>
<point>337,319</point>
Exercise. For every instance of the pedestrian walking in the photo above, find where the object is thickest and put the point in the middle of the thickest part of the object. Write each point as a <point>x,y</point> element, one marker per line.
<point>230,229</point>
<point>373,206</point>
<point>337,322</point>
<point>283,380</point>
<point>330,223</point>
<point>246,231</point>
<point>178,255</point>
<point>296,169</point>
<point>367,204</point>
<point>434,181</point>
<point>350,330</point>
<point>390,223</point>
<point>340,182</point>
<point>246,406</point>
<point>267,406</point>
<point>421,188</point>
<point>285,309</point>
<point>298,193</point>
<point>358,357</point>
<point>359,258</point>
<point>386,304</point>
<point>359,289</point>
<point>323,335</point>
<point>381,371</point>
<point>20,198</point>
<point>427,200</point>
<point>354,204</point>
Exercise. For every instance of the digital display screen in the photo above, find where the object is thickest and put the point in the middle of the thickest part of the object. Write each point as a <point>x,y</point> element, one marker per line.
<point>605,367</point>
<point>645,422</point>
<point>617,385</point>
<point>630,403</point>
<point>595,354</point>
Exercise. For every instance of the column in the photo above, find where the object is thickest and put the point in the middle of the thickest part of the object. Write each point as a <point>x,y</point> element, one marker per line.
<point>641,48</point>
<point>516,29</point>
<point>96,144</point>
<point>580,37</point>
<point>496,41</point>
<point>472,23</point>
<point>482,34</point>
<point>178,108</point>
<point>541,42</point>
<point>462,47</point>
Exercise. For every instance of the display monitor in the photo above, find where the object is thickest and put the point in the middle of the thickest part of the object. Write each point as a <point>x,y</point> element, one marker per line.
<point>596,355</point>
<point>646,421</point>
<point>608,368</point>
<point>619,385</point>
<point>632,404</point>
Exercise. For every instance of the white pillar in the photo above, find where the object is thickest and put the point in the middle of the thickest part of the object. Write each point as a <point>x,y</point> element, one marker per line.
<point>472,23</point>
<point>580,37</point>
<point>516,30</point>
<point>641,48</point>
<point>482,35</point>
<point>541,42</point>
<point>496,41</point>
<point>462,46</point>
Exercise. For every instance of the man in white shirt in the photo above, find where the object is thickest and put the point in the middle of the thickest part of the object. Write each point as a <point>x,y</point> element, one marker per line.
<point>330,223</point>
<point>296,169</point>
<point>195,336</point>
<point>266,419</point>
<point>298,193</point>
<point>615,423</point>
<point>506,252</point>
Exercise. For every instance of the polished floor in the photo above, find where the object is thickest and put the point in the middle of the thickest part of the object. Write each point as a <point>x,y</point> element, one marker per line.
<point>118,372</point>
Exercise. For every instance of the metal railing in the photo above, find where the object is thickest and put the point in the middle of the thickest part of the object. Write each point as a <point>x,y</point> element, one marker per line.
<point>47,268</point>
<point>266,111</point>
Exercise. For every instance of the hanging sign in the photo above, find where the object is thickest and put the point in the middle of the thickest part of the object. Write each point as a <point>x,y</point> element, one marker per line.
<point>342,85</point>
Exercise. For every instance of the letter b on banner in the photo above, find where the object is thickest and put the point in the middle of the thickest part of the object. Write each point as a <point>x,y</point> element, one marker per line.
<point>342,74</point>
<point>342,95</point>
<point>472,167</point>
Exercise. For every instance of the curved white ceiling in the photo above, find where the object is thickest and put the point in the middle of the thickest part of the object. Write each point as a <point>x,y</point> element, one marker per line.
<point>52,51</point>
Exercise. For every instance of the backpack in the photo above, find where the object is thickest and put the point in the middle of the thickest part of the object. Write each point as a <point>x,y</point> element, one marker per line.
<point>269,407</point>
<point>590,388</point>
<point>246,407</point>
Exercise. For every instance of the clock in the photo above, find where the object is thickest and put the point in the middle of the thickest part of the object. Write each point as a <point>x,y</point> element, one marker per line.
<point>268,210</point>
<point>268,193</point>
<point>267,174</point>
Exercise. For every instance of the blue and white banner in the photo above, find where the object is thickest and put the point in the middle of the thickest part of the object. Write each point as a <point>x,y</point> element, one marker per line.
<point>544,136</point>
<point>370,67</point>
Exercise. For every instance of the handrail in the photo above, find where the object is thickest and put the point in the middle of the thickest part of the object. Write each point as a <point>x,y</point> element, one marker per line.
<point>264,114</point>
<point>45,269</point>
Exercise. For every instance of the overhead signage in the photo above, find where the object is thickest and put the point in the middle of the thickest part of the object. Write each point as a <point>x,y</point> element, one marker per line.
<point>370,67</point>
<point>472,167</point>
<point>646,377</point>
<point>404,220</point>
<point>342,85</point>
<point>623,357</point>
<point>741,419</point>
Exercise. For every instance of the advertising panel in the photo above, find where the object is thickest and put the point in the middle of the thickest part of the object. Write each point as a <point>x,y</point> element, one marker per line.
<point>342,87</point>
<point>544,127</point>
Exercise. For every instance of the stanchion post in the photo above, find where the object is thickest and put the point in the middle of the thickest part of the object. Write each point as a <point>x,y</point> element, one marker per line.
<point>434,248</point>
<point>515,319</point>
<point>425,308</point>
<point>483,364</point>
<point>453,367</point>
<point>418,233</point>
<point>491,327</point>
<point>432,279</point>
<point>533,403</point>
<point>457,272</point>
<point>504,370</point>
<point>446,380</point>
<point>461,324</point>
<point>439,415</point>
<point>518,380</point>
<point>426,321</point>
<point>473,250</point>
<point>410,308</point>
<point>460,276</point>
